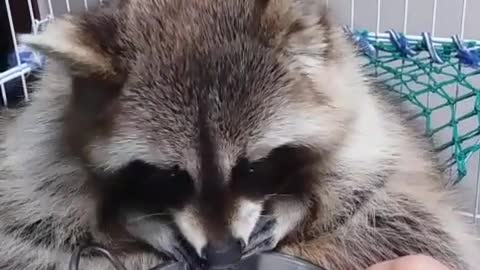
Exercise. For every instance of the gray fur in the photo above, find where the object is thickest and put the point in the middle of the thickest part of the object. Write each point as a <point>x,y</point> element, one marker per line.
<point>156,80</point>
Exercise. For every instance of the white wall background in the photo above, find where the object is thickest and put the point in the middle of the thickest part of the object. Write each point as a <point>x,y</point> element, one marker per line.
<point>443,18</point>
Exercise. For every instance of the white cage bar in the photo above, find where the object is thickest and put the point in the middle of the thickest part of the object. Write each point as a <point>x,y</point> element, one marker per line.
<point>443,18</point>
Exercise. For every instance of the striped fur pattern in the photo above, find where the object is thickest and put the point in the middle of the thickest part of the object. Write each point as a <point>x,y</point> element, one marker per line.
<point>162,126</point>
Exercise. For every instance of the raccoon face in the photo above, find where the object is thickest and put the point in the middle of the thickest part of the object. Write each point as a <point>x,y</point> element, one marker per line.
<point>202,123</point>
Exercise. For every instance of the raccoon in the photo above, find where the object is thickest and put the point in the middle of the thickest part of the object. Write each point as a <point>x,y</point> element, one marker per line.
<point>170,129</point>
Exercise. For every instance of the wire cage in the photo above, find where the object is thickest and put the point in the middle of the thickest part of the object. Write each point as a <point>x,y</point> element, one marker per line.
<point>428,51</point>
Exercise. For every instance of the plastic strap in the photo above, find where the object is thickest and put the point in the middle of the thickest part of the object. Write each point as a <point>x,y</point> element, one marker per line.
<point>466,56</point>
<point>361,41</point>
<point>428,42</point>
<point>401,43</point>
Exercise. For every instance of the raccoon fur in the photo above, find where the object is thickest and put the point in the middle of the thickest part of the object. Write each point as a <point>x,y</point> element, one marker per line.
<point>161,128</point>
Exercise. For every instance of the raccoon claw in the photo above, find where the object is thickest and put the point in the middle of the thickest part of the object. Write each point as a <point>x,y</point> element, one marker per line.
<point>185,253</point>
<point>267,244</point>
<point>262,238</point>
<point>264,225</point>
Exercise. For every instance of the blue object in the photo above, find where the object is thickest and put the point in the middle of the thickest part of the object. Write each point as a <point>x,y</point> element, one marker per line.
<point>361,41</point>
<point>466,56</point>
<point>27,56</point>
<point>401,43</point>
<point>428,43</point>
<point>14,88</point>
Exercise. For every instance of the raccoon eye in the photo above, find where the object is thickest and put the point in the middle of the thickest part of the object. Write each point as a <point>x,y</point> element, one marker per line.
<point>251,170</point>
<point>175,171</point>
<point>245,168</point>
<point>249,178</point>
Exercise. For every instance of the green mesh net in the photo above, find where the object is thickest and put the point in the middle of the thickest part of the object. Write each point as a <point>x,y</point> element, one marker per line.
<point>441,80</point>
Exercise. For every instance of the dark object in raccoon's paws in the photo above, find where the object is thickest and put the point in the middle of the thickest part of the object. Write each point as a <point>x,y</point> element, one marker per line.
<point>263,261</point>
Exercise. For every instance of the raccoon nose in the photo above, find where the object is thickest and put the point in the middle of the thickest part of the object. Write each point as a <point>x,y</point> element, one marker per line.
<point>223,254</point>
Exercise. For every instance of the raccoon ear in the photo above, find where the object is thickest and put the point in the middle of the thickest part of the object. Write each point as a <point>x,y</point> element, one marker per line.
<point>66,40</point>
<point>305,26</point>
<point>309,12</point>
<point>309,31</point>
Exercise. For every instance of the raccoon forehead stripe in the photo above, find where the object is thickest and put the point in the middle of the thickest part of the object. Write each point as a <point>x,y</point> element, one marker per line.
<point>210,173</point>
<point>214,200</point>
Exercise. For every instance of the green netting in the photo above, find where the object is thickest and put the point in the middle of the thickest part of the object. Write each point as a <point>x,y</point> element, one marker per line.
<point>446,95</point>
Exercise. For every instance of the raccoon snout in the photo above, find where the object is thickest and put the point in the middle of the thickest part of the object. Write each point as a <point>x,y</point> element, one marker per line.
<point>223,254</point>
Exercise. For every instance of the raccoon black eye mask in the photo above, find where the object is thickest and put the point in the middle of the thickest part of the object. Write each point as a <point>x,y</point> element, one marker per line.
<point>158,192</point>
<point>140,185</point>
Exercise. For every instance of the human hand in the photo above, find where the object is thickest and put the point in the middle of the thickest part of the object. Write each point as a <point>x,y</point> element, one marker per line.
<point>413,262</point>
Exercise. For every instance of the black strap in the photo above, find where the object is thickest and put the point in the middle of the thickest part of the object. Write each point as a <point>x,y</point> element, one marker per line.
<point>77,254</point>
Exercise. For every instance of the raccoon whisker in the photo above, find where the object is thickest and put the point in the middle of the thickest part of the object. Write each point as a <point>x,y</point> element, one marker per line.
<point>168,223</point>
<point>125,240</point>
<point>284,195</point>
<point>278,195</point>
<point>137,219</point>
